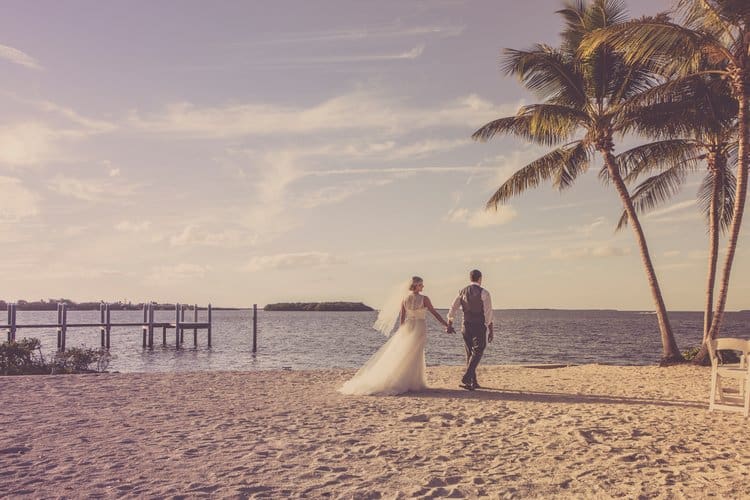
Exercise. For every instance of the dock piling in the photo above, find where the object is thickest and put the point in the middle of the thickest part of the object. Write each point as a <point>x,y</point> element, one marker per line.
<point>209,325</point>
<point>177,332</point>
<point>151,326</point>
<point>9,316</point>
<point>101,319</point>
<point>255,328</point>
<point>182,320</point>
<point>59,322</point>
<point>195,320</point>
<point>145,321</point>
<point>64,325</point>
<point>107,324</point>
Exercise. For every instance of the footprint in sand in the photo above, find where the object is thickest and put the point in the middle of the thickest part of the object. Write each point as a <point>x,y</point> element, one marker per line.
<point>15,450</point>
<point>416,418</point>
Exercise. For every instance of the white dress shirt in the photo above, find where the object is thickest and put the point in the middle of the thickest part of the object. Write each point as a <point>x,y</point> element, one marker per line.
<point>486,305</point>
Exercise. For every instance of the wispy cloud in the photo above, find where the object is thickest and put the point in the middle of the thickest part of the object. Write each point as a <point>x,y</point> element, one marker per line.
<point>410,54</point>
<point>127,226</point>
<point>28,143</point>
<point>425,148</point>
<point>44,135</point>
<point>588,228</point>
<point>90,125</point>
<point>585,252</point>
<point>388,150</point>
<point>371,33</point>
<point>691,216</point>
<point>331,195</point>
<point>91,189</point>
<point>357,111</point>
<point>512,257</point>
<point>16,202</point>
<point>77,271</point>
<point>166,275</point>
<point>287,261</point>
<point>194,235</point>
<point>482,218</point>
<point>401,170</point>
<point>18,57</point>
<point>563,206</point>
<point>84,125</point>
<point>676,207</point>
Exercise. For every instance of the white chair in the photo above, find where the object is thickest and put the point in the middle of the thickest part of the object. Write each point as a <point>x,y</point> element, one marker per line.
<point>728,398</point>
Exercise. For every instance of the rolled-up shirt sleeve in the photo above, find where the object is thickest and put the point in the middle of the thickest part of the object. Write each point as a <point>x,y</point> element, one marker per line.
<point>487,303</point>
<point>454,308</point>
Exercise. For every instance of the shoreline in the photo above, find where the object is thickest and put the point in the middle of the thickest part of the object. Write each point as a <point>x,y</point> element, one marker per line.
<point>338,369</point>
<point>579,431</point>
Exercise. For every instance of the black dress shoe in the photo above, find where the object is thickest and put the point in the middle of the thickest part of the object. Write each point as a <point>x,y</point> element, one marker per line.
<point>476,385</point>
<point>468,387</point>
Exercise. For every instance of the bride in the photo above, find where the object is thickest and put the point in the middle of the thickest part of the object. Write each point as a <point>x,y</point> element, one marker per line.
<point>399,365</point>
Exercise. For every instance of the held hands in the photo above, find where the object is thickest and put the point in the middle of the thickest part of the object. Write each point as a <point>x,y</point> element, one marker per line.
<point>449,328</point>
<point>490,335</point>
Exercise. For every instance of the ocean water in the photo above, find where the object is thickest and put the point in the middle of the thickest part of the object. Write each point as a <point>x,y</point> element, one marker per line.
<point>318,340</point>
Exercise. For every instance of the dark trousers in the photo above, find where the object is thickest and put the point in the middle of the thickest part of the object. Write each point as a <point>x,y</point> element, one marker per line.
<point>475,340</point>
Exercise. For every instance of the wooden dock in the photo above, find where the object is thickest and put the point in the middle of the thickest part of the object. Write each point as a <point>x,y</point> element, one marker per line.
<point>148,325</point>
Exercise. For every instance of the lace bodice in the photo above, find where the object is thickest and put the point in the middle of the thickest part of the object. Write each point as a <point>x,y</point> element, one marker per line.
<point>414,305</point>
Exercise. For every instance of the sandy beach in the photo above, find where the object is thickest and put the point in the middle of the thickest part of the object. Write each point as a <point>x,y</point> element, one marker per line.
<point>581,431</point>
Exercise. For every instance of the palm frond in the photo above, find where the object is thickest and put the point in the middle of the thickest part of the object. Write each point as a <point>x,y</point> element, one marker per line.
<point>699,106</point>
<point>724,177</point>
<point>581,18</point>
<point>604,13</point>
<point>654,191</point>
<point>574,17</point>
<point>547,72</point>
<point>657,43</point>
<point>731,150</point>
<point>631,81</point>
<point>546,124</point>
<point>720,18</point>
<point>659,156</point>
<point>561,165</point>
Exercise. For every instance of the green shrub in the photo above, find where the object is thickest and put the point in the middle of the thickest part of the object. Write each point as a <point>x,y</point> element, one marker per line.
<point>24,357</point>
<point>691,353</point>
<point>725,355</point>
<point>79,360</point>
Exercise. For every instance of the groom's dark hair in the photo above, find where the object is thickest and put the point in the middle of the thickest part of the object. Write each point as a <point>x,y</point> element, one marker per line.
<point>475,274</point>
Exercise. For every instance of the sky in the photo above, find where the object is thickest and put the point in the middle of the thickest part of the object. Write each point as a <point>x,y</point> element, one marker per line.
<point>244,152</point>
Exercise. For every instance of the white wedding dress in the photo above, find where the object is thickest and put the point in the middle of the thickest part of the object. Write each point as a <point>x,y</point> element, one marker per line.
<point>398,366</point>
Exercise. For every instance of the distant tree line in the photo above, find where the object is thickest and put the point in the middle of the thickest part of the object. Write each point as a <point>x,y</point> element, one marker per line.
<point>318,306</point>
<point>51,305</point>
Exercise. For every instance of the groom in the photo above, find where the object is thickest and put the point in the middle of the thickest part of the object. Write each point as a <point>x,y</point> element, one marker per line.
<point>476,304</point>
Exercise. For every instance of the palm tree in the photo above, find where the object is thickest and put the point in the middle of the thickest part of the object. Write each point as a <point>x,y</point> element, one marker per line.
<point>703,109</point>
<point>584,106</point>
<point>713,31</point>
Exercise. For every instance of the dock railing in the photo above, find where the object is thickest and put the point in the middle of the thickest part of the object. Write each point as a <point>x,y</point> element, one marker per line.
<point>105,325</point>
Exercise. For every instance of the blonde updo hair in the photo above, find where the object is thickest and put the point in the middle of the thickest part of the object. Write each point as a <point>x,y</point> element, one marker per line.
<point>415,280</point>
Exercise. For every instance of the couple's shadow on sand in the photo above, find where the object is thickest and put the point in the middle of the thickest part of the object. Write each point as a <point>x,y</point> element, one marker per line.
<point>497,394</point>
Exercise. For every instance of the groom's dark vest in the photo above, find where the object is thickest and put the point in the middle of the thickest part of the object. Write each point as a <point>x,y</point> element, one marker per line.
<point>472,305</point>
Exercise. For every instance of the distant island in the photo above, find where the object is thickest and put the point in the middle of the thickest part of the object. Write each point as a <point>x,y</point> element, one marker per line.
<point>318,306</point>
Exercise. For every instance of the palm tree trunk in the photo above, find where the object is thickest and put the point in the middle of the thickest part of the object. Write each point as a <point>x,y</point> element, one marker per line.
<point>713,256</point>
<point>670,352</point>
<point>737,211</point>
<point>713,236</point>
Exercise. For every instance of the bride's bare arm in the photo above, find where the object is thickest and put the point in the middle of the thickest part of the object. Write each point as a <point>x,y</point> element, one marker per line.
<point>429,307</point>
